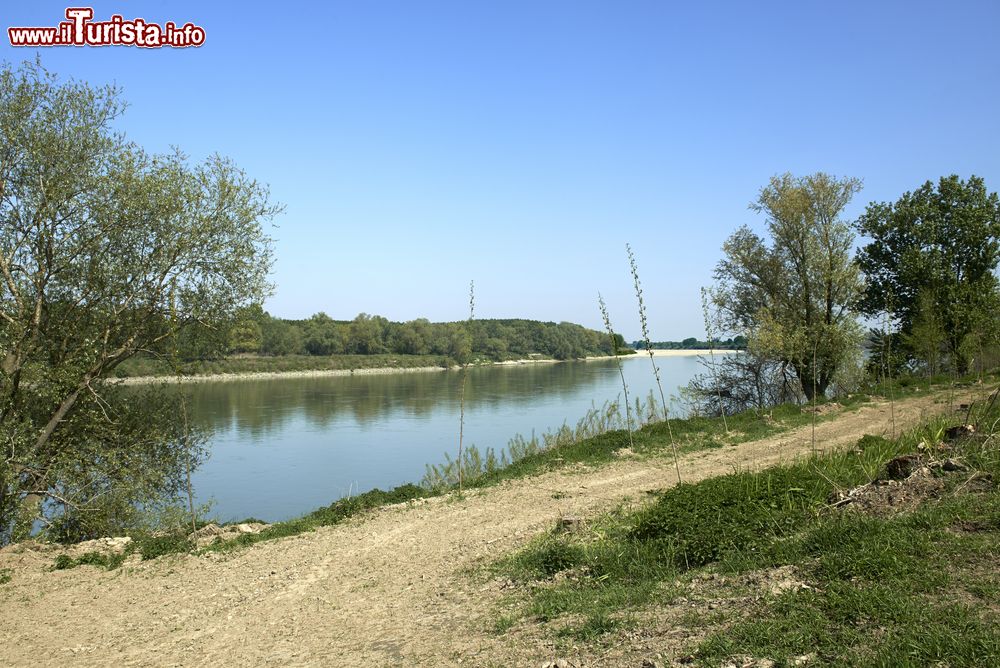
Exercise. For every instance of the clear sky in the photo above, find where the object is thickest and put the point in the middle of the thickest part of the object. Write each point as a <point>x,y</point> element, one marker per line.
<point>419,144</point>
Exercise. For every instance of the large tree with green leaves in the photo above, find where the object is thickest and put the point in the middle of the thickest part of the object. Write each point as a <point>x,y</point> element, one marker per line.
<point>930,264</point>
<point>794,296</point>
<point>105,251</point>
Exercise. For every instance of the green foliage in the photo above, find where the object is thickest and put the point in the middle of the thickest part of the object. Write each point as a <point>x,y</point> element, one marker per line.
<point>256,334</point>
<point>156,545</point>
<point>742,511</point>
<point>932,260</point>
<point>145,366</point>
<point>322,336</point>
<point>115,470</point>
<point>546,559</point>
<point>738,342</point>
<point>478,467</point>
<point>101,245</point>
<point>901,590</point>
<point>795,297</point>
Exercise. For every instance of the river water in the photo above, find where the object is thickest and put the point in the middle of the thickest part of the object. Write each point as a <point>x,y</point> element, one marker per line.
<point>284,446</point>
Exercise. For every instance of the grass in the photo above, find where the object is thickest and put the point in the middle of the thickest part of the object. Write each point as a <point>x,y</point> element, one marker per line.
<point>908,589</point>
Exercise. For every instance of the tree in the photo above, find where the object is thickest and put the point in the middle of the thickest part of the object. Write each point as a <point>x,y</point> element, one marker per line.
<point>323,336</point>
<point>245,335</point>
<point>794,299</point>
<point>105,251</point>
<point>934,253</point>
<point>279,337</point>
<point>366,335</point>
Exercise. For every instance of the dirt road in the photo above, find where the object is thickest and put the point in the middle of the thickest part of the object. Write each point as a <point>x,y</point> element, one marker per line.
<point>392,588</point>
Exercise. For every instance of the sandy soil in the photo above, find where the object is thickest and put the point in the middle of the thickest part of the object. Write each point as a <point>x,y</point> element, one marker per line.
<point>402,586</point>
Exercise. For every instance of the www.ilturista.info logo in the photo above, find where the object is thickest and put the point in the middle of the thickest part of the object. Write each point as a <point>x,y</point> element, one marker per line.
<point>80,30</point>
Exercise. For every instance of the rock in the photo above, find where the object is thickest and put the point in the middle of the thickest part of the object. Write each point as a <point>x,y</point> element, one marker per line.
<point>742,661</point>
<point>960,431</point>
<point>559,663</point>
<point>207,531</point>
<point>953,465</point>
<point>901,467</point>
<point>570,523</point>
<point>115,545</point>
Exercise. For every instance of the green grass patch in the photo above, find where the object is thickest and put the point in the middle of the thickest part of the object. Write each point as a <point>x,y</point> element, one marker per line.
<point>912,588</point>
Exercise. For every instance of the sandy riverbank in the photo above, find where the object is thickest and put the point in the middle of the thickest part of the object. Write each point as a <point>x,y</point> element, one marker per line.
<point>376,371</point>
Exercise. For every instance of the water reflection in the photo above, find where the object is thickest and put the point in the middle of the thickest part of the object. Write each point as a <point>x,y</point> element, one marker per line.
<point>283,447</point>
<point>259,408</point>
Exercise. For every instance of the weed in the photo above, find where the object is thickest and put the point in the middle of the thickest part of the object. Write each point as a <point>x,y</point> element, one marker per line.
<point>614,348</point>
<point>465,378</point>
<point>649,349</point>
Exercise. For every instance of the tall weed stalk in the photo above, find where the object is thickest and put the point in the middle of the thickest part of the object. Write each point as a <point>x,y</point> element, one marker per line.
<point>465,377</point>
<point>618,361</point>
<point>649,349</point>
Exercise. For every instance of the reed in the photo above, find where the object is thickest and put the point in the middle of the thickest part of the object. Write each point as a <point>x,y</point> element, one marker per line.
<point>634,267</point>
<point>465,377</point>
<point>476,463</point>
<point>618,362</point>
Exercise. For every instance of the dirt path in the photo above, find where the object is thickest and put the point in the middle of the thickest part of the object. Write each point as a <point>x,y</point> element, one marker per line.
<point>392,588</point>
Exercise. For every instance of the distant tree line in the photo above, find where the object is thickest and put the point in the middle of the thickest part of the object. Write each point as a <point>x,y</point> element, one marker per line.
<point>255,331</point>
<point>738,342</point>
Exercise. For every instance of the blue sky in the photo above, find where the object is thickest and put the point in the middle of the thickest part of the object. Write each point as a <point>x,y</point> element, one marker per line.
<point>418,145</point>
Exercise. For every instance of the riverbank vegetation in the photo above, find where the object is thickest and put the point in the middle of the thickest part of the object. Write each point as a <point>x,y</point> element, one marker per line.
<point>258,342</point>
<point>927,275</point>
<point>882,554</point>
<point>737,342</point>
<point>106,250</point>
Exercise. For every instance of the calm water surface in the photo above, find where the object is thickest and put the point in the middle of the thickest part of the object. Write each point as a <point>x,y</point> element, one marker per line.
<point>283,447</point>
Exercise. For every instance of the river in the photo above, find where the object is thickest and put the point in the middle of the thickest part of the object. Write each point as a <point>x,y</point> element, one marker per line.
<point>284,446</point>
